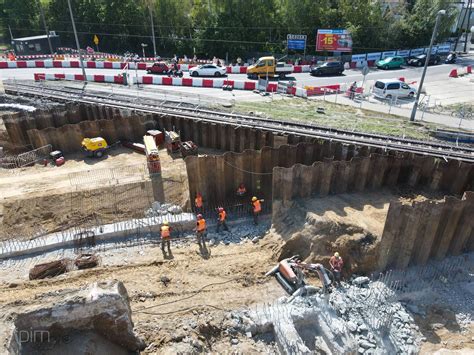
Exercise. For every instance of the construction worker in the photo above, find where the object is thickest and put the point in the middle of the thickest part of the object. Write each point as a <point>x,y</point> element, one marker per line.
<point>256,209</point>
<point>241,190</point>
<point>221,219</point>
<point>198,203</point>
<point>336,264</point>
<point>165,237</point>
<point>200,229</point>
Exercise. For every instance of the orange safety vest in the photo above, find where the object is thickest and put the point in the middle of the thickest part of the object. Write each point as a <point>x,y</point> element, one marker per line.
<point>201,225</point>
<point>165,232</point>
<point>198,202</point>
<point>222,216</point>
<point>256,206</point>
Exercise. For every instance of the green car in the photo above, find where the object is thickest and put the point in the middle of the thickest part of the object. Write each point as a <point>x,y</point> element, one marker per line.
<point>390,63</point>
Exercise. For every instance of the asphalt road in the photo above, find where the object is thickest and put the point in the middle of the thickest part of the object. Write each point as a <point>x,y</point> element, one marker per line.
<point>302,79</point>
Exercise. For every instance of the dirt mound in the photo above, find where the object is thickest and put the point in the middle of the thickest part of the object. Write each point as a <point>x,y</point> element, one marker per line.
<point>315,229</point>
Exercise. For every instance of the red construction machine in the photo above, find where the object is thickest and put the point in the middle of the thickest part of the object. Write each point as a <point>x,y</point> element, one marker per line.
<point>290,275</point>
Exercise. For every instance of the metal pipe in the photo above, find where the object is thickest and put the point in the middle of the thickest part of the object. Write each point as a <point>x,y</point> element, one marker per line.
<point>427,60</point>
<point>77,41</point>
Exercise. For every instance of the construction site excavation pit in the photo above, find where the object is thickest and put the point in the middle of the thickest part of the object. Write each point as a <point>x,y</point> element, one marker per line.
<point>402,223</point>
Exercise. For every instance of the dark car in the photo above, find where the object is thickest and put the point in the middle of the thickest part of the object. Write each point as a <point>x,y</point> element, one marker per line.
<point>158,68</point>
<point>328,68</point>
<point>419,60</point>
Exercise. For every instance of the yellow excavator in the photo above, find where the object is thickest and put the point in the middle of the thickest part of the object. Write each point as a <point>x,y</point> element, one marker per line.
<point>95,147</point>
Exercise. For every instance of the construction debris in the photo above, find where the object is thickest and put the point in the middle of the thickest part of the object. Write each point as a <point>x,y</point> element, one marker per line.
<point>51,269</point>
<point>158,209</point>
<point>99,313</point>
<point>86,261</point>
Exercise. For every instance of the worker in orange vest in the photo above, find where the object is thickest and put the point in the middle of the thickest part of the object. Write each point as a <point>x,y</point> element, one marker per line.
<point>201,230</point>
<point>221,219</point>
<point>256,209</point>
<point>241,190</point>
<point>165,237</point>
<point>198,203</point>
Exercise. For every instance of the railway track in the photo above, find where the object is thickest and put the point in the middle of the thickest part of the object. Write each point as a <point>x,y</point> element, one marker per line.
<point>165,107</point>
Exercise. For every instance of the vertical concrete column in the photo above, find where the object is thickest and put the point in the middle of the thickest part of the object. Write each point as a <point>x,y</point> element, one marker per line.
<point>252,139</point>
<point>390,235</point>
<point>205,134</point>
<point>450,170</point>
<point>266,167</point>
<point>337,177</point>
<point>306,181</point>
<point>277,192</point>
<point>291,159</point>
<point>232,180</point>
<point>415,171</point>
<point>239,175</point>
<point>279,140</point>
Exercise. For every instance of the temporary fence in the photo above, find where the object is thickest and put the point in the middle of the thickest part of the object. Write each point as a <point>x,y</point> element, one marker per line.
<point>26,159</point>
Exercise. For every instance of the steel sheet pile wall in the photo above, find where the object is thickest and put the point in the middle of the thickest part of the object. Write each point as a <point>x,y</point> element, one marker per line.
<point>372,172</point>
<point>417,232</point>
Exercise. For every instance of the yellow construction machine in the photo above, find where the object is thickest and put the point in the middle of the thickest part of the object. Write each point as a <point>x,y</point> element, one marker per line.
<point>95,147</point>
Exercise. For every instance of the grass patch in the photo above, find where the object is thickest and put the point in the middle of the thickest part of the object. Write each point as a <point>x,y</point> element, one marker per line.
<point>337,116</point>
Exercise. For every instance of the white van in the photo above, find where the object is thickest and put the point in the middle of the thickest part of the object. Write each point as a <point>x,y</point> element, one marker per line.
<point>392,88</point>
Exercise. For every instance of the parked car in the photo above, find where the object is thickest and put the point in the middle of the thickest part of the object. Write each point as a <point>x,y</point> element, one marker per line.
<point>207,70</point>
<point>392,88</point>
<point>420,60</point>
<point>390,63</point>
<point>328,68</point>
<point>158,68</point>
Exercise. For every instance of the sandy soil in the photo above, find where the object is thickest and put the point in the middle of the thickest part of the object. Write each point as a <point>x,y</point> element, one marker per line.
<point>193,304</point>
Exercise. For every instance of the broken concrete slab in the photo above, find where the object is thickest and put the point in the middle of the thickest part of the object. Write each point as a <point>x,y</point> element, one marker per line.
<point>102,308</point>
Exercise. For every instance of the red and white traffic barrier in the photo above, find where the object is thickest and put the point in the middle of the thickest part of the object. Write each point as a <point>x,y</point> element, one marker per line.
<point>301,68</point>
<point>117,79</point>
<point>322,90</point>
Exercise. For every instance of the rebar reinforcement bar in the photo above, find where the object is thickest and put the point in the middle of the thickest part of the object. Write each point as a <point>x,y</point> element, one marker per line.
<point>385,142</point>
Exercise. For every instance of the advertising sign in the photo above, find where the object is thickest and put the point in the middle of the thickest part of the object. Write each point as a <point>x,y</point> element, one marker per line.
<point>373,56</point>
<point>403,53</point>
<point>444,48</point>
<point>417,51</point>
<point>334,41</point>
<point>296,42</point>
<point>358,57</point>
<point>388,54</point>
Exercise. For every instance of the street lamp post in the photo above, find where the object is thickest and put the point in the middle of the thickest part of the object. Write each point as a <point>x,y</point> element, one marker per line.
<point>77,41</point>
<point>427,60</point>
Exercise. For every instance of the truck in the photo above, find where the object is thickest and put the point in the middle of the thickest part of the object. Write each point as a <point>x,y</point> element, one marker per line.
<point>268,66</point>
<point>152,155</point>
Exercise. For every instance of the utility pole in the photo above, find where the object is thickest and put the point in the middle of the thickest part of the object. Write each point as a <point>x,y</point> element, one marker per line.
<point>11,34</point>
<point>152,29</point>
<point>427,60</point>
<point>469,8</point>
<point>45,26</point>
<point>77,41</point>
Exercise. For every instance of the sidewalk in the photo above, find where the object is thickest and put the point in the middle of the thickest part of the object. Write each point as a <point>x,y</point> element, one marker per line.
<point>403,110</point>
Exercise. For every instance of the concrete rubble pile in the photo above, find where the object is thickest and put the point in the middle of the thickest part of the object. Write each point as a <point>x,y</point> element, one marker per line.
<point>98,314</point>
<point>159,209</point>
<point>359,317</point>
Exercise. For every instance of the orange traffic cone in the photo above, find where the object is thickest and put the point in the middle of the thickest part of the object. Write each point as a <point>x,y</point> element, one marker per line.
<point>454,73</point>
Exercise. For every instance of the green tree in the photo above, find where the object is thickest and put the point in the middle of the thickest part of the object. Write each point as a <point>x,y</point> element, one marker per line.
<point>22,16</point>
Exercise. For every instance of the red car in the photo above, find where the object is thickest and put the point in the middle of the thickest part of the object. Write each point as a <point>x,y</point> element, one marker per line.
<point>158,68</point>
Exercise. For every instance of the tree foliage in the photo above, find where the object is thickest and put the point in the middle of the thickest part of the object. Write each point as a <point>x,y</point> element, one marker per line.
<point>233,27</point>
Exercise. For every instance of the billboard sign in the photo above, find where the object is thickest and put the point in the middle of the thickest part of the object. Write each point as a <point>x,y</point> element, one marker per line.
<point>388,54</point>
<point>444,48</point>
<point>417,51</point>
<point>296,42</point>
<point>359,57</point>
<point>334,41</point>
<point>403,52</point>
<point>374,56</point>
